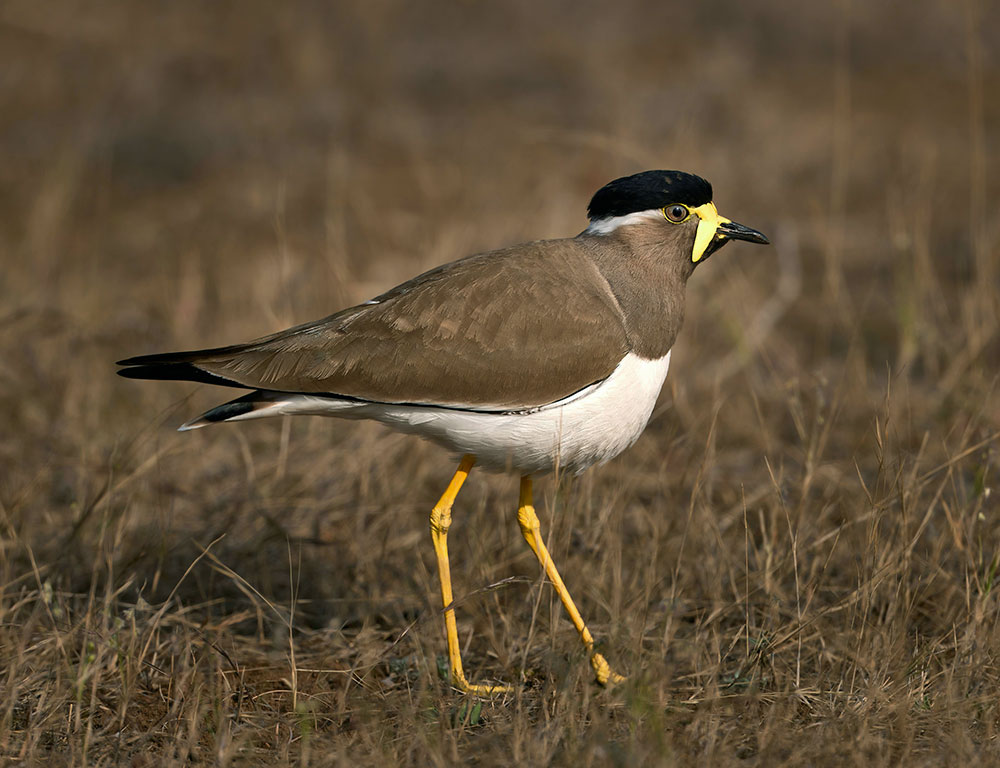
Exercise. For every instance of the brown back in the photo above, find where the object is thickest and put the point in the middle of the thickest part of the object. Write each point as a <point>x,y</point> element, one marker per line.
<point>509,329</point>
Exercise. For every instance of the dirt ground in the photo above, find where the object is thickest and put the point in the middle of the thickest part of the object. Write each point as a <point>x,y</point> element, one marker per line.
<point>795,565</point>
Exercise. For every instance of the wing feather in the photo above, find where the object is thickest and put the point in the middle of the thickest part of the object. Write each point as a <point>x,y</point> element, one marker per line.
<point>504,329</point>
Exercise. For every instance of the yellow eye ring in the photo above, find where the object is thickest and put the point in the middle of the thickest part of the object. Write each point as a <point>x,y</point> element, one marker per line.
<point>676,213</point>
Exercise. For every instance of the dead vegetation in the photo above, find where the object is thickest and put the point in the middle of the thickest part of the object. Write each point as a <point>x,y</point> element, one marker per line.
<point>796,564</point>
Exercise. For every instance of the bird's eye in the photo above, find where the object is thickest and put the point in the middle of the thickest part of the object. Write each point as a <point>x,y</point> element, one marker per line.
<point>676,213</point>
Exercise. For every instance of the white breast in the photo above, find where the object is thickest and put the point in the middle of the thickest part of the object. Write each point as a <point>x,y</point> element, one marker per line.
<point>589,427</point>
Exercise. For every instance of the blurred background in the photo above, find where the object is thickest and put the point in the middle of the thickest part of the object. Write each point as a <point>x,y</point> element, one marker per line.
<point>178,175</point>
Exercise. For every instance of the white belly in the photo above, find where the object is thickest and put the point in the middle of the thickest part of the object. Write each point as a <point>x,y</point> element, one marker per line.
<point>590,427</point>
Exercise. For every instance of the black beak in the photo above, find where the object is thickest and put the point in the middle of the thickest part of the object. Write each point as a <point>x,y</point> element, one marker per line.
<point>733,231</point>
<point>730,230</point>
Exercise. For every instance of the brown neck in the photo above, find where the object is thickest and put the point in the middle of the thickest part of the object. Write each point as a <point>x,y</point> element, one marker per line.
<point>648,280</point>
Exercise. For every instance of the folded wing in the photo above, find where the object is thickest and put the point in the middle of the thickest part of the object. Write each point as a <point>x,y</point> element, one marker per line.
<point>500,330</point>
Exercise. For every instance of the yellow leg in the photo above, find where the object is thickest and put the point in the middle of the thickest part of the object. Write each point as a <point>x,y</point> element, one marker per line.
<point>531,529</point>
<point>440,522</point>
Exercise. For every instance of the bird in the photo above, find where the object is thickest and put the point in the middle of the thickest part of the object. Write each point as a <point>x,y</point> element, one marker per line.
<point>543,356</point>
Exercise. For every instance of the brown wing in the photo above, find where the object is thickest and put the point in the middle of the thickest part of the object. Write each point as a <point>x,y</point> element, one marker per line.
<point>515,328</point>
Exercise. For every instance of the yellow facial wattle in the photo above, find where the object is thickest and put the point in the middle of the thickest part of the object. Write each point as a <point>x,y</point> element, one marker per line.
<point>709,221</point>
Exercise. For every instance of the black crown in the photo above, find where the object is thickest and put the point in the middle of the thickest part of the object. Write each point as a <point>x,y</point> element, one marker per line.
<point>649,190</point>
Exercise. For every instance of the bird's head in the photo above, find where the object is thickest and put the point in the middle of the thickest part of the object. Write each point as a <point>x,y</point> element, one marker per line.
<point>670,207</point>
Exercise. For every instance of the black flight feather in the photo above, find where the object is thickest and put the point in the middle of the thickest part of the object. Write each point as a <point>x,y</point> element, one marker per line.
<point>174,372</point>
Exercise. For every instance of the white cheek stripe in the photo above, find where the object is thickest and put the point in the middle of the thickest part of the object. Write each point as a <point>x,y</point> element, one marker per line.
<point>609,224</point>
<point>708,224</point>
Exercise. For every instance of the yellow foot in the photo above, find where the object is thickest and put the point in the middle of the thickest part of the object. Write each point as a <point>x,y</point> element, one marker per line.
<point>602,670</point>
<point>459,681</point>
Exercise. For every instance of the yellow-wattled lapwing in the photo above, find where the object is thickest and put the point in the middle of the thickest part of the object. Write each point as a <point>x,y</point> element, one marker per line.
<point>542,355</point>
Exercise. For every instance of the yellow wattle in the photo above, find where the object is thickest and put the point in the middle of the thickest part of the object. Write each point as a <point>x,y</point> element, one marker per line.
<point>708,223</point>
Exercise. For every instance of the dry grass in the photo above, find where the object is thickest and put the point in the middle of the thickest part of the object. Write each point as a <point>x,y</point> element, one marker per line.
<point>796,564</point>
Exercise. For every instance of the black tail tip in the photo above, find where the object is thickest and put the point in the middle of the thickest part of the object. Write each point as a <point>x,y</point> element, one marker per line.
<point>224,412</point>
<point>228,411</point>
